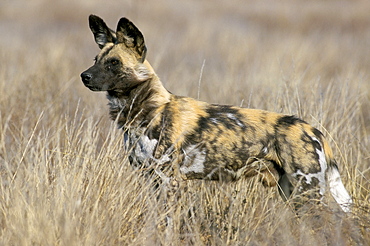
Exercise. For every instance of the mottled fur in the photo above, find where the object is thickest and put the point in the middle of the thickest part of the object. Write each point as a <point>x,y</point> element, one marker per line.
<point>182,137</point>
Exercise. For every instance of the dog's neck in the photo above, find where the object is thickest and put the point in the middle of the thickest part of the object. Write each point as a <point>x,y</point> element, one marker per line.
<point>140,104</point>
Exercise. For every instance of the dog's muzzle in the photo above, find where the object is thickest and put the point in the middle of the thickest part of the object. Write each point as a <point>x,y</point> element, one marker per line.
<point>86,78</point>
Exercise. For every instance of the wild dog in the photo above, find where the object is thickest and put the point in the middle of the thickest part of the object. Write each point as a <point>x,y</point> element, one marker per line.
<point>180,137</point>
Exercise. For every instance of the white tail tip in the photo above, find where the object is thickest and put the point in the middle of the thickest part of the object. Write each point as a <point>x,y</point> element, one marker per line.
<point>338,190</point>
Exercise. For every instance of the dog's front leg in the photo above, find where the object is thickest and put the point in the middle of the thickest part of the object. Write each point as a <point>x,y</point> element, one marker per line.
<point>169,187</point>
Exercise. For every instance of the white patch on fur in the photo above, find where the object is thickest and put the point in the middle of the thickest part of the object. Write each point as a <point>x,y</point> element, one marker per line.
<point>323,167</point>
<point>234,118</point>
<point>116,103</point>
<point>264,150</point>
<point>144,149</point>
<point>214,120</point>
<point>141,72</point>
<point>338,190</point>
<point>194,160</point>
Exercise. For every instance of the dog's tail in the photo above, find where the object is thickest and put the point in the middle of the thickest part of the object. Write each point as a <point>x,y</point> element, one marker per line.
<point>337,188</point>
<point>334,182</point>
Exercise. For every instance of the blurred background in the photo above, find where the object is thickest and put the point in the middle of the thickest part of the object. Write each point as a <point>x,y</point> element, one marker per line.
<point>308,58</point>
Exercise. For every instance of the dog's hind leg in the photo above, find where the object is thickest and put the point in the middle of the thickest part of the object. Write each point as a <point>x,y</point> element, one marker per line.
<point>312,172</point>
<point>285,187</point>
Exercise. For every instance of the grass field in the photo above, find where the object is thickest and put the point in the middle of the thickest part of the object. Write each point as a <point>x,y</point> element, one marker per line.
<point>65,179</point>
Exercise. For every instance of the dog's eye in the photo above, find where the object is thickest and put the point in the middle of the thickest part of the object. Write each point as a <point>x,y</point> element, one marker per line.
<point>114,62</point>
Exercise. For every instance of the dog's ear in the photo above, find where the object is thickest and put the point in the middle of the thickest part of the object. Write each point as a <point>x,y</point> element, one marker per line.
<point>130,35</point>
<point>102,33</point>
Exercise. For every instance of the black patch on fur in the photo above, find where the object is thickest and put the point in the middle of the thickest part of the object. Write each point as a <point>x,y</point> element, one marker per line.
<point>221,113</point>
<point>306,138</point>
<point>316,145</point>
<point>217,115</point>
<point>290,120</point>
<point>319,137</point>
<point>317,133</point>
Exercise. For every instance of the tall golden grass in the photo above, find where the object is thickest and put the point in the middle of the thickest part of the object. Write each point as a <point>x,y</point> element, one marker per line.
<point>65,178</point>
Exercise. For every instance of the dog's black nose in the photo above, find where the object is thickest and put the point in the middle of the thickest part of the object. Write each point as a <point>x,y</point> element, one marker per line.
<point>86,77</point>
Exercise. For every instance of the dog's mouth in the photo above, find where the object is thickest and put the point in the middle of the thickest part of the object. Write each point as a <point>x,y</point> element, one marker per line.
<point>93,88</point>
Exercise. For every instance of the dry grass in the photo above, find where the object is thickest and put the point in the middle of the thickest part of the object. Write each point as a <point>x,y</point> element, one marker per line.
<point>65,179</point>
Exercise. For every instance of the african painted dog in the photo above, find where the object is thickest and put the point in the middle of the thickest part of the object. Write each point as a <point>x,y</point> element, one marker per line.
<point>180,137</point>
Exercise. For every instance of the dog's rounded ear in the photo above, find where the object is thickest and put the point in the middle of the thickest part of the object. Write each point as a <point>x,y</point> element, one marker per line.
<point>131,36</point>
<point>102,33</point>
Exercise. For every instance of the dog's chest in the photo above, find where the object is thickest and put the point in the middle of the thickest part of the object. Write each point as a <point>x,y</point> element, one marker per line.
<point>143,154</point>
<point>142,151</point>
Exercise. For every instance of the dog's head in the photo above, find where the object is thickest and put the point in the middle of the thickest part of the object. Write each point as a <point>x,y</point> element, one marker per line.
<point>119,66</point>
